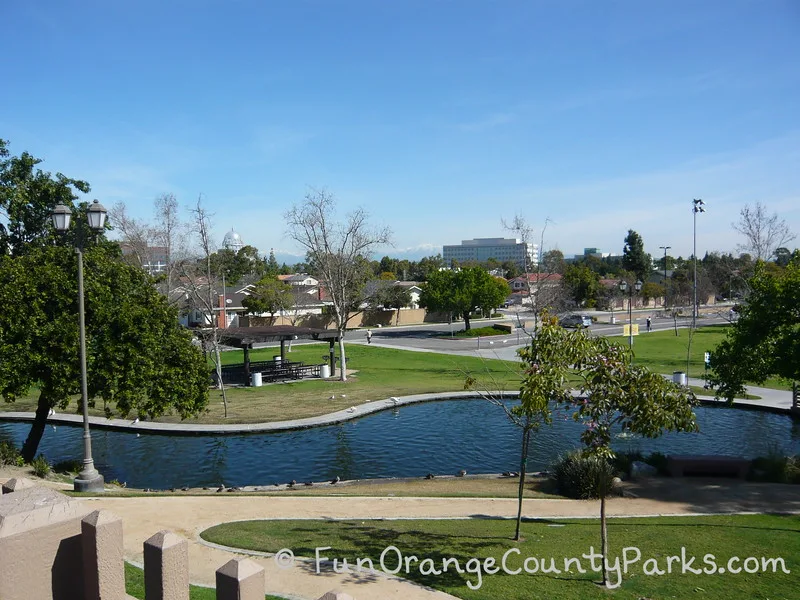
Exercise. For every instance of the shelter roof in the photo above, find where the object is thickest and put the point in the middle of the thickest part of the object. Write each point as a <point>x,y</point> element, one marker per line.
<point>240,337</point>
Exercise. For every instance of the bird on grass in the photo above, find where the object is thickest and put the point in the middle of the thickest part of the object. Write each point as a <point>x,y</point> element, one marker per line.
<point>309,483</point>
<point>292,483</point>
<point>430,476</point>
<point>221,488</point>
<point>335,480</point>
<point>461,473</point>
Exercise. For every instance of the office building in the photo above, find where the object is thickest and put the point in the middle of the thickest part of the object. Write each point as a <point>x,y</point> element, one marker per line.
<point>500,249</point>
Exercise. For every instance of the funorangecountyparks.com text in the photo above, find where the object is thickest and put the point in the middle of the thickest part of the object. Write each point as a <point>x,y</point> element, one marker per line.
<point>393,561</point>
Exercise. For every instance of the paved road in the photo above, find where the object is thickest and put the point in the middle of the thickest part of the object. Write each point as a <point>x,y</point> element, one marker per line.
<point>429,337</point>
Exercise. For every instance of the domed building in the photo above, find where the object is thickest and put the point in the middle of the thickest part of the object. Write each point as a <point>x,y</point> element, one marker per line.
<point>232,241</point>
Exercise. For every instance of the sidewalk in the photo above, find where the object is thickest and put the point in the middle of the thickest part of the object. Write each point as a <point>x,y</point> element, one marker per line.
<point>189,515</point>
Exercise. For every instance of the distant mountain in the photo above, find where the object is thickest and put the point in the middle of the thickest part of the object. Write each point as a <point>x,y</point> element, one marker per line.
<point>412,254</point>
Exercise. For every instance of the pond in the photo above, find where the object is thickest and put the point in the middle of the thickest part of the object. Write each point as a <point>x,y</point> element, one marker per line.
<point>410,441</point>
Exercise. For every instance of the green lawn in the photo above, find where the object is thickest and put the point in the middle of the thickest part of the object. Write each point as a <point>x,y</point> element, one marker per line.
<point>384,372</point>
<point>664,352</point>
<point>134,585</point>
<point>379,373</point>
<point>768,536</point>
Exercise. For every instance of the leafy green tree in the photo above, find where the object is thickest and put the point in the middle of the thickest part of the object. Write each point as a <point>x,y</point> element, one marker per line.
<point>511,269</point>
<point>546,364</point>
<point>272,269</point>
<point>583,284</point>
<point>269,295</point>
<point>765,339</point>
<point>139,359</point>
<point>393,296</point>
<point>460,292</point>
<point>782,256</point>
<point>27,198</point>
<point>634,258</point>
<point>420,271</point>
<point>553,262</point>
<point>615,394</point>
<point>652,290</point>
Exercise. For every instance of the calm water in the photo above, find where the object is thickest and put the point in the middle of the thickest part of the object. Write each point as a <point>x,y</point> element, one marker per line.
<point>409,441</point>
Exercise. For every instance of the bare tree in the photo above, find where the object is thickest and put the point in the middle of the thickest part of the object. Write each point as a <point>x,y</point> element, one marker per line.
<point>167,233</point>
<point>136,236</point>
<point>544,288</point>
<point>199,283</point>
<point>339,252</point>
<point>764,233</point>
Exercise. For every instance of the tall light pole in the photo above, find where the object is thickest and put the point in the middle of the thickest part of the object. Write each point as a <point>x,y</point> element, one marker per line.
<point>697,207</point>
<point>624,287</point>
<point>88,480</point>
<point>665,248</point>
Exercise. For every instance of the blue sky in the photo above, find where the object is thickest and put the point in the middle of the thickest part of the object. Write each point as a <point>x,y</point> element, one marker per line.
<point>439,117</point>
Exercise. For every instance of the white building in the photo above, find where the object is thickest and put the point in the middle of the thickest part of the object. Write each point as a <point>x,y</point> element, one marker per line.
<point>500,249</point>
<point>232,241</point>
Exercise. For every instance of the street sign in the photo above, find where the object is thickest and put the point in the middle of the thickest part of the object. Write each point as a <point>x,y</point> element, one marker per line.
<point>626,329</point>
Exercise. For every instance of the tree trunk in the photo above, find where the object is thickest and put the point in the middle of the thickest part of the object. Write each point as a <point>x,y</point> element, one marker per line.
<point>523,464</point>
<point>466,320</point>
<point>218,360</point>
<point>342,358</point>
<point>603,534</point>
<point>37,428</point>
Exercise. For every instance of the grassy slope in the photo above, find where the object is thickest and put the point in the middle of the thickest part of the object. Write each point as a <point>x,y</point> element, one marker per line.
<point>723,536</point>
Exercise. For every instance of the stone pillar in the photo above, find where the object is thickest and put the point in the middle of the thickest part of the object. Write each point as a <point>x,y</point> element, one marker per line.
<point>240,579</point>
<point>103,561</point>
<point>17,484</point>
<point>166,567</point>
<point>336,595</point>
<point>41,554</point>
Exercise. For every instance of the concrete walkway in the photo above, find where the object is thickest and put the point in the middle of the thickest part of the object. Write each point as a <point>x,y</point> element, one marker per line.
<point>189,515</point>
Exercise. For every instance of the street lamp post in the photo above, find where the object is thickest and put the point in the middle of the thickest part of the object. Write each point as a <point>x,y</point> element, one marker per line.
<point>88,480</point>
<point>697,207</point>
<point>665,248</point>
<point>624,287</point>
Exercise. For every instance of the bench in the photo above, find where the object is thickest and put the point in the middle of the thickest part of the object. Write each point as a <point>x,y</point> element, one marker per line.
<point>708,466</point>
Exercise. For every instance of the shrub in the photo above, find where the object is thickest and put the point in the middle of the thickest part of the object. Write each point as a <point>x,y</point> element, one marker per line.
<point>9,455</point>
<point>793,469</point>
<point>68,466</point>
<point>776,467</point>
<point>582,477</point>
<point>659,461</point>
<point>41,468</point>
<point>623,460</point>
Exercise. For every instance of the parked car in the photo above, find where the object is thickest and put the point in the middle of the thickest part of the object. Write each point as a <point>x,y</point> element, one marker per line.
<point>575,321</point>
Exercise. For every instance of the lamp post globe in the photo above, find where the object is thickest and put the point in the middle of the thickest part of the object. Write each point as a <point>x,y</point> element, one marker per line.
<point>89,479</point>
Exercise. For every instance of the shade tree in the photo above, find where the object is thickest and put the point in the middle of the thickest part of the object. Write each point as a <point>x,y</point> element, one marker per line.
<point>461,292</point>
<point>139,359</point>
<point>764,341</point>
